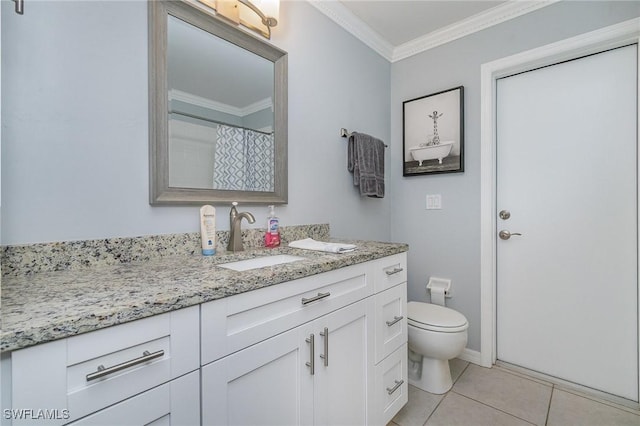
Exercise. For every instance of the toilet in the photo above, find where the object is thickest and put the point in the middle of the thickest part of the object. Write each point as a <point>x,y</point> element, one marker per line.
<point>436,335</point>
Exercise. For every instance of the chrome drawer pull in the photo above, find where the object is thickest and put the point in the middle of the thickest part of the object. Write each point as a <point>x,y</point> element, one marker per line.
<point>395,388</point>
<point>325,355</point>
<point>102,371</point>
<point>314,298</point>
<point>311,363</point>
<point>394,271</point>
<point>395,320</point>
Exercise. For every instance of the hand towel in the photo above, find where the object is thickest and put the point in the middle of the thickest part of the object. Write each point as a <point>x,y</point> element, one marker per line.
<point>311,244</point>
<point>366,162</point>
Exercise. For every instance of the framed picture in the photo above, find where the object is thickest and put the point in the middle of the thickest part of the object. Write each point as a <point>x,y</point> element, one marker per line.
<point>433,133</point>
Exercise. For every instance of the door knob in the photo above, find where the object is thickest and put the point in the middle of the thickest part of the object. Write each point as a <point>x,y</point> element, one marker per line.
<point>505,235</point>
<point>504,214</point>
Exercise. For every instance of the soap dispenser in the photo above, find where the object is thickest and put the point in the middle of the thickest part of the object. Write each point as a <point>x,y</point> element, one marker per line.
<point>272,236</point>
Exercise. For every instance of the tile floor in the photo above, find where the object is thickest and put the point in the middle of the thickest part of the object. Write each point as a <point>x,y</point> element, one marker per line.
<point>497,396</point>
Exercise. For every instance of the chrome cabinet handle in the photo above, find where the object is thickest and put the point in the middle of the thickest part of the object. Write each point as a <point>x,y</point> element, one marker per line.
<point>394,271</point>
<point>102,371</point>
<point>505,235</point>
<point>395,320</point>
<point>311,363</point>
<point>395,387</point>
<point>325,355</point>
<point>314,298</point>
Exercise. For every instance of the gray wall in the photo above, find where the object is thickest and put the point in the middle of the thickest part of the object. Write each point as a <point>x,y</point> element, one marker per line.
<point>75,139</point>
<point>75,129</point>
<point>446,243</point>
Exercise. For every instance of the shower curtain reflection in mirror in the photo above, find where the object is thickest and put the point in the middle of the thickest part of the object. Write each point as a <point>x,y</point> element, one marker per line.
<point>218,156</point>
<point>244,159</point>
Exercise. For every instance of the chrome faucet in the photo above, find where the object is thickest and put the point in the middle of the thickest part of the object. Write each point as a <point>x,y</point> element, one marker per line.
<point>235,229</point>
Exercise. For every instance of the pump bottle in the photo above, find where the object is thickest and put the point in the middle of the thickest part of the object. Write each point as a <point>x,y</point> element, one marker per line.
<point>272,237</point>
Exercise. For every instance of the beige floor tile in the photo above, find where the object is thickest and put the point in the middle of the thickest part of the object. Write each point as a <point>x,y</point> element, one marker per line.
<point>569,409</point>
<point>457,367</point>
<point>523,398</point>
<point>459,410</point>
<point>420,406</point>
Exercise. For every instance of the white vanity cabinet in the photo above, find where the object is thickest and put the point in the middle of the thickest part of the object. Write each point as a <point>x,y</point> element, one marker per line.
<point>327,349</point>
<point>295,353</point>
<point>391,357</point>
<point>316,373</point>
<point>305,352</point>
<point>139,370</point>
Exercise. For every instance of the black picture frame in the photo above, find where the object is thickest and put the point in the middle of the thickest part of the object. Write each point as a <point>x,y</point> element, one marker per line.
<point>433,145</point>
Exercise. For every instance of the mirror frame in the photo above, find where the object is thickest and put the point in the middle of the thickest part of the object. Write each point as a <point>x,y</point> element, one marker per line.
<point>160,193</point>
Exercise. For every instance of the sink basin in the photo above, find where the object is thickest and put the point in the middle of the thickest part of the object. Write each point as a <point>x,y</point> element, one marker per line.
<point>260,262</point>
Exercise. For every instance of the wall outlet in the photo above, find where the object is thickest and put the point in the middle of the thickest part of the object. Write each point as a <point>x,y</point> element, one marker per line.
<point>434,201</point>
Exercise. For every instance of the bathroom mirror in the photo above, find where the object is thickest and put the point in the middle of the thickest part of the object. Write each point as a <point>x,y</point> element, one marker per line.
<point>217,110</point>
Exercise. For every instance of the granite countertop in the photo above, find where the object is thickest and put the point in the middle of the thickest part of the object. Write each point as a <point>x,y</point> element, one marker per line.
<point>48,306</point>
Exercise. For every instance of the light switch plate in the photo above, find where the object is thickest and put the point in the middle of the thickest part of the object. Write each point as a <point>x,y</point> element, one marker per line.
<point>434,201</point>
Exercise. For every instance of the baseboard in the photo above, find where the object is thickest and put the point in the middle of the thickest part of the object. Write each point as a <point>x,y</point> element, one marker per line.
<point>471,356</point>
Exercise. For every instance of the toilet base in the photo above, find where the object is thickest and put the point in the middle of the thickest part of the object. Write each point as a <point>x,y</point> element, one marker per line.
<point>435,377</point>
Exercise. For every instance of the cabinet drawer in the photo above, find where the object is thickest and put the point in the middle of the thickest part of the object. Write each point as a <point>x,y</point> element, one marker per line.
<point>173,403</point>
<point>233,323</point>
<point>88,372</point>
<point>392,385</point>
<point>390,271</point>
<point>391,320</point>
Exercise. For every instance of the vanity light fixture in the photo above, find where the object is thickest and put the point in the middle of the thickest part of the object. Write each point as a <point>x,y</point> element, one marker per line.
<point>256,15</point>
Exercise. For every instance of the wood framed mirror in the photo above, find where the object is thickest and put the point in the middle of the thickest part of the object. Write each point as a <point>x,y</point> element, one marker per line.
<point>217,111</point>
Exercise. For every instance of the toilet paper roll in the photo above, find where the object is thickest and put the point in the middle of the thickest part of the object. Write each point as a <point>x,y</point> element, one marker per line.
<point>437,296</point>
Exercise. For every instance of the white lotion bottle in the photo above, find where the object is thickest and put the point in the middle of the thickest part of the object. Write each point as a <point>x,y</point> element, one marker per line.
<point>208,230</point>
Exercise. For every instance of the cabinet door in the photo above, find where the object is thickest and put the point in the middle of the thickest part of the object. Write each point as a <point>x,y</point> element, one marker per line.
<point>344,371</point>
<point>265,384</point>
<point>174,403</point>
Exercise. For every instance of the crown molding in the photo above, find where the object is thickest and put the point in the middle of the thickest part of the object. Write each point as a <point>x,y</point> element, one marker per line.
<point>189,98</point>
<point>475,23</point>
<point>350,22</point>
<point>496,15</point>
<point>192,99</point>
<point>265,103</point>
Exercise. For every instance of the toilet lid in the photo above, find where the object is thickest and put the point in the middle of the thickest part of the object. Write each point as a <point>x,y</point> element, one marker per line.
<point>434,317</point>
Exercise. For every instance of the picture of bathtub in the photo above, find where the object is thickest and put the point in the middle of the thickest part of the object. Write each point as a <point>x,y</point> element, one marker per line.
<point>431,152</point>
<point>433,129</point>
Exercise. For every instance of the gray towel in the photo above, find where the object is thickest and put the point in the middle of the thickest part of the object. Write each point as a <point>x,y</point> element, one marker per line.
<point>366,162</point>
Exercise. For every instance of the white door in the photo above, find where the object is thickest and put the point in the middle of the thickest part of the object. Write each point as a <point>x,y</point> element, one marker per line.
<point>567,288</point>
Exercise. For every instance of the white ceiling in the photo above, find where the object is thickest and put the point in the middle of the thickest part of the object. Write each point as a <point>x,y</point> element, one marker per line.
<point>397,29</point>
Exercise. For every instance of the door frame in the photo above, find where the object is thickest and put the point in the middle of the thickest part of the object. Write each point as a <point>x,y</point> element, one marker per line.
<point>610,37</point>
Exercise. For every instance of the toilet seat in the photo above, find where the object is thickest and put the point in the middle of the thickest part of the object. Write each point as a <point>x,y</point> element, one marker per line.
<point>428,316</point>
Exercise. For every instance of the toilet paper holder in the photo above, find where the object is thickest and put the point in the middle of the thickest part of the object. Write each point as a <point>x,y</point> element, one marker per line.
<point>440,283</point>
